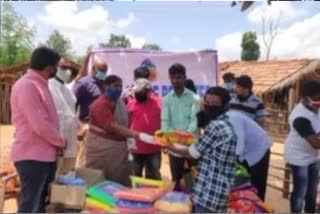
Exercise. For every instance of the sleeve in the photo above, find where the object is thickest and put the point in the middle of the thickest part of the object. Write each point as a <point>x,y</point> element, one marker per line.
<point>101,116</point>
<point>260,110</point>
<point>207,140</point>
<point>303,127</point>
<point>57,99</point>
<point>165,115</point>
<point>38,117</point>
<point>79,91</point>
<point>193,126</point>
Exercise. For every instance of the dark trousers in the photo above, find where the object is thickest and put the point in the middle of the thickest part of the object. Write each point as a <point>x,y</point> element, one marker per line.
<point>305,188</point>
<point>259,175</point>
<point>35,177</point>
<point>151,163</point>
<point>177,168</point>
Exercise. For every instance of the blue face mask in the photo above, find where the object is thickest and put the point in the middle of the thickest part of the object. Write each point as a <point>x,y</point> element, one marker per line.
<point>101,75</point>
<point>114,94</point>
<point>228,85</point>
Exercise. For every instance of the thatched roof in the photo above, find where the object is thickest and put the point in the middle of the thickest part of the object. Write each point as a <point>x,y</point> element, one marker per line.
<point>14,68</point>
<point>272,75</point>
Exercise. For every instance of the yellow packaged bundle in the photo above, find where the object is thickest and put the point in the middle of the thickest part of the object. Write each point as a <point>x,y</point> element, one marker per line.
<point>138,182</point>
<point>164,137</point>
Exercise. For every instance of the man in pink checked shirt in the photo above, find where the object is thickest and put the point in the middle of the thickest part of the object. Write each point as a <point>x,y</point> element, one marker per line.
<point>38,140</point>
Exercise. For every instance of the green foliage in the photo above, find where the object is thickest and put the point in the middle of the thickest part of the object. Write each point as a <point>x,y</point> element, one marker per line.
<point>16,37</point>
<point>250,47</point>
<point>117,41</point>
<point>59,43</point>
<point>151,46</point>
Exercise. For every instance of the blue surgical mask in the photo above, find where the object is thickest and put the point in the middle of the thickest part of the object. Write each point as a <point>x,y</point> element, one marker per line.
<point>228,85</point>
<point>114,94</point>
<point>101,75</point>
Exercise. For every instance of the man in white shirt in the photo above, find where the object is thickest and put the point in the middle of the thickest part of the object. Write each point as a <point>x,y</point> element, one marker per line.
<point>65,102</point>
<point>302,149</point>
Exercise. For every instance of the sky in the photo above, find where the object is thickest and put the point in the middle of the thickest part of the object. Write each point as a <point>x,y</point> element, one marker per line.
<point>178,26</point>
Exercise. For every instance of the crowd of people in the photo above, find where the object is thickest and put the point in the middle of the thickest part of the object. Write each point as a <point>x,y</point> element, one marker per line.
<point>91,122</point>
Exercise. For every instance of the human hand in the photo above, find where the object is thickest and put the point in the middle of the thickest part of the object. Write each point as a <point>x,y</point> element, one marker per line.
<point>146,138</point>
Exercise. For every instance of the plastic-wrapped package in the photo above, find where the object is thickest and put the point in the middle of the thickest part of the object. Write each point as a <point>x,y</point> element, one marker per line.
<point>70,179</point>
<point>125,206</point>
<point>174,202</point>
<point>105,192</point>
<point>164,137</point>
<point>139,182</point>
<point>141,194</point>
<point>94,205</point>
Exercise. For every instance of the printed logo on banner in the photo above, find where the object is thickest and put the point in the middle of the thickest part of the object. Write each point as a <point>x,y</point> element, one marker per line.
<point>147,63</point>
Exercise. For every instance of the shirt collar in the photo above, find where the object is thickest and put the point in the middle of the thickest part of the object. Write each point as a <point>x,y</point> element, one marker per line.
<point>184,93</point>
<point>34,74</point>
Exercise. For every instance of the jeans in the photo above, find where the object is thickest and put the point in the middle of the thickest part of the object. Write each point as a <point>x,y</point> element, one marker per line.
<point>200,209</point>
<point>152,163</point>
<point>259,175</point>
<point>305,186</point>
<point>35,177</point>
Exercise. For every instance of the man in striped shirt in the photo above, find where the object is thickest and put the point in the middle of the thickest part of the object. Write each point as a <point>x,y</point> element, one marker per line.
<point>249,104</point>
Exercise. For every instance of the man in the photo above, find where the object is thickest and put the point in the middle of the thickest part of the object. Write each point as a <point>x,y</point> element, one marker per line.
<point>302,149</point>
<point>38,139</point>
<point>248,131</point>
<point>87,90</point>
<point>229,79</point>
<point>145,114</point>
<point>139,73</point>
<point>179,111</point>
<point>216,154</point>
<point>65,103</point>
<point>249,104</point>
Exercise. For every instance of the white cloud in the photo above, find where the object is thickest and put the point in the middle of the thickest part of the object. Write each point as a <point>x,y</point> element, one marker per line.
<point>300,40</point>
<point>271,12</point>
<point>136,41</point>
<point>123,23</point>
<point>83,27</point>
<point>228,46</point>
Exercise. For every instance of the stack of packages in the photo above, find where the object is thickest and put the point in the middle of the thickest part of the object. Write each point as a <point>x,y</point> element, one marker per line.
<point>163,138</point>
<point>243,197</point>
<point>141,197</point>
<point>102,199</point>
<point>174,202</point>
<point>110,197</point>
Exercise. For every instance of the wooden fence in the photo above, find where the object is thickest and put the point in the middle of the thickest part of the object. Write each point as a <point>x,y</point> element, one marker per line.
<point>277,125</point>
<point>7,81</point>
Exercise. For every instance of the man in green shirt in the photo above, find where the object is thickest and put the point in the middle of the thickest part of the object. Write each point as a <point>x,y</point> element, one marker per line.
<point>179,111</point>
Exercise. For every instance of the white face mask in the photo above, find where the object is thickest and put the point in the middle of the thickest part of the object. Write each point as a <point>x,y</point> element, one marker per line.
<point>64,75</point>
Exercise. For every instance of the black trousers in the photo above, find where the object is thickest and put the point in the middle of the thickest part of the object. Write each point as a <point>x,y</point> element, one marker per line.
<point>151,163</point>
<point>259,175</point>
<point>35,177</point>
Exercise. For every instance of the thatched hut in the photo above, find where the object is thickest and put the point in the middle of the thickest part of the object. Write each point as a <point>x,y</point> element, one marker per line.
<point>278,83</point>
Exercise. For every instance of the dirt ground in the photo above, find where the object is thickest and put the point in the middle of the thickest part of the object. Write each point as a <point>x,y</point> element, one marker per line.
<point>274,197</point>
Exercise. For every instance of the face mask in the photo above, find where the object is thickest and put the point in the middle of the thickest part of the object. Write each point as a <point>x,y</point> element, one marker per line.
<point>141,97</point>
<point>101,75</point>
<point>314,104</point>
<point>228,86</point>
<point>53,72</point>
<point>114,94</point>
<point>64,75</point>
<point>213,112</point>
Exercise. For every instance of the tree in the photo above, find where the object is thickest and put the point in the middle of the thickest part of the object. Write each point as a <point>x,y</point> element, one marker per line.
<point>270,29</point>
<point>59,43</point>
<point>151,46</point>
<point>245,4</point>
<point>250,47</point>
<point>16,37</point>
<point>117,41</point>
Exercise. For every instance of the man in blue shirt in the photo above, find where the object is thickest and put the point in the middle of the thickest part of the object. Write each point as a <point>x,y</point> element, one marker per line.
<point>87,90</point>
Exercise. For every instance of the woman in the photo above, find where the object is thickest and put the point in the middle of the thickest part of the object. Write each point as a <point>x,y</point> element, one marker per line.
<point>108,132</point>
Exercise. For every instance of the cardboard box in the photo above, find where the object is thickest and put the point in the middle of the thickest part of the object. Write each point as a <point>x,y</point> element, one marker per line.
<point>74,197</point>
